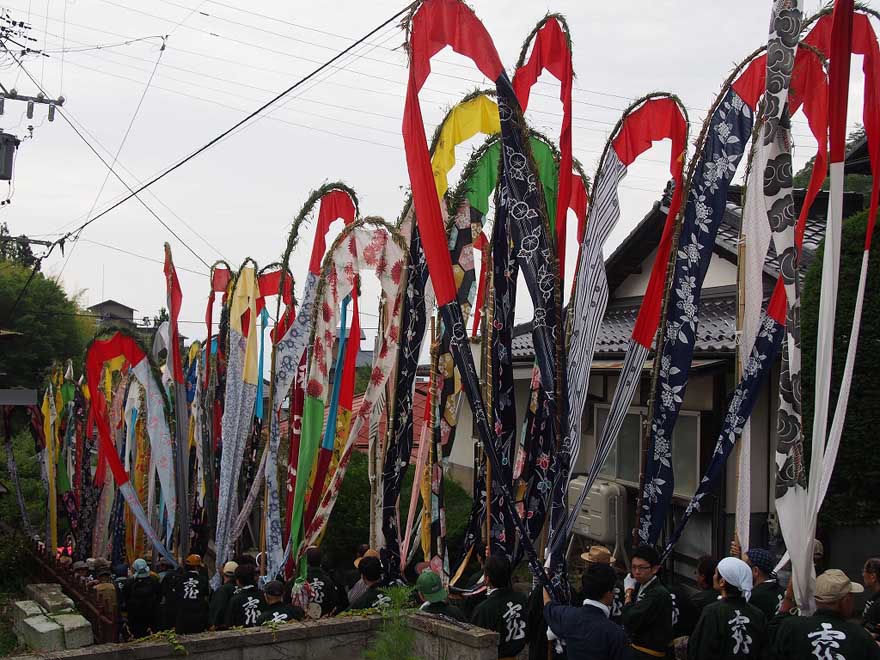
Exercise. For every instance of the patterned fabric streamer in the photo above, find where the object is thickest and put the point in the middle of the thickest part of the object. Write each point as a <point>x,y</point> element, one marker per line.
<point>437,23</point>
<point>657,118</point>
<point>238,409</point>
<point>382,250</point>
<point>729,131</point>
<point>289,359</point>
<point>100,352</point>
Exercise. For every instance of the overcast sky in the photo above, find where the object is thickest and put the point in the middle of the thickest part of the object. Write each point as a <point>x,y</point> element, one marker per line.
<point>224,58</point>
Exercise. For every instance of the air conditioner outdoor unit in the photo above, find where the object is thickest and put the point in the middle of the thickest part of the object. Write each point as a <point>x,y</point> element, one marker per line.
<point>600,516</point>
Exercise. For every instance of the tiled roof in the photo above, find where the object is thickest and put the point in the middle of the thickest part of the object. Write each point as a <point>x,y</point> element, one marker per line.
<point>716,332</point>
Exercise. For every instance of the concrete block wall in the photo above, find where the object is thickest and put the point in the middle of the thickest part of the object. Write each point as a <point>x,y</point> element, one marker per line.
<point>43,630</point>
<point>344,638</point>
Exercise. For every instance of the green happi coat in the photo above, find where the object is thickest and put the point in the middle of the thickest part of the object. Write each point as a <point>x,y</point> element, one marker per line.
<point>729,629</point>
<point>823,635</point>
<point>648,618</point>
<point>504,611</point>
<point>767,597</point>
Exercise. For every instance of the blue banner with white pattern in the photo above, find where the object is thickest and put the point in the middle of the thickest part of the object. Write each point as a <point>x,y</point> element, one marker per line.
<point>729,131</point>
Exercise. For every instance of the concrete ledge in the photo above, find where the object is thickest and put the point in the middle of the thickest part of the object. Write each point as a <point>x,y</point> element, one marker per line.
<point>24,609</point>
<point>49,597</point>
<point>342,638</point>
<point>42,634</point>
<point>77,630</point>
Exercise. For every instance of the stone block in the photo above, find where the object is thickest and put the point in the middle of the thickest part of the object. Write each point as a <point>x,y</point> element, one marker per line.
<point>42,634</point>
<point>49,597</point>
<point>77,630</point>
<point>24,609</point>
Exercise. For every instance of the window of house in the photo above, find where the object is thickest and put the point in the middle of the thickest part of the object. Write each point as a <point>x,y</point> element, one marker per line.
<point>623,461</point>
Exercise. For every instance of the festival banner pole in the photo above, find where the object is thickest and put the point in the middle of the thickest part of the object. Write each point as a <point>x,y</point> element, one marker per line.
<point>181,417</point>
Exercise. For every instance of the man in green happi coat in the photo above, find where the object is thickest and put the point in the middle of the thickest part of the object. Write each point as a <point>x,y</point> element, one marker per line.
<point>767,593</point>
<point>828,633</point>
<point>647,608</point>
<point>730,628</point>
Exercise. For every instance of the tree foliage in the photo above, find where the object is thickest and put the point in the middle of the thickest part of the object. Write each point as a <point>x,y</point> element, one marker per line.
<point>851,498</point>
<point>17,250</point>
<point>51,326</point>
<point>851,182</point>
<point>349,524</point>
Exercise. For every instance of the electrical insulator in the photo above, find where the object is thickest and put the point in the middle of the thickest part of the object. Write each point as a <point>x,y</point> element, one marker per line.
<point>51,112</point>
<point>30,110</point>
<point>2,100</point>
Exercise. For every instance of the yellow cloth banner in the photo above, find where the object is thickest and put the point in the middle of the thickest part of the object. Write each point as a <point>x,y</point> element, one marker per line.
<point>244,299</point>
<point>477,115</point>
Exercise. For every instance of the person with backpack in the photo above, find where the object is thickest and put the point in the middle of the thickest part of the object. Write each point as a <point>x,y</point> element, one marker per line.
<point>142,595</point>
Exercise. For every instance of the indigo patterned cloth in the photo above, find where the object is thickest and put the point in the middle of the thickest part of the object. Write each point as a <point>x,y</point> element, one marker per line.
<point>729,130</point>
<point>413,322</point>
<point>739,408</point>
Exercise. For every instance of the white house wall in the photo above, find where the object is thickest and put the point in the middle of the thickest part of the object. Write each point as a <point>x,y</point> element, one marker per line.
<point>721,273</point>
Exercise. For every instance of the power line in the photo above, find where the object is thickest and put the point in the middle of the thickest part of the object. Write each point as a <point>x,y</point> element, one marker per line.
<point>140,256</point>
<point>241,122</point>
<point>134,193</point>
<point>119,149</point>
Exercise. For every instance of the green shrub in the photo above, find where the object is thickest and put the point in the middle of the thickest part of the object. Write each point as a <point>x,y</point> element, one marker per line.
<point>349,524</point>
<point>851,499</point>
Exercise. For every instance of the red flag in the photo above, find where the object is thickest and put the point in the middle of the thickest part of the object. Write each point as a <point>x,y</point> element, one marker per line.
<point>551,53</point>
<point>175,299</point>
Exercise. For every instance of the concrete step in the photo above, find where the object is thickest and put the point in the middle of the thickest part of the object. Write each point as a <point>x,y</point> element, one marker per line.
<point>41,634</point>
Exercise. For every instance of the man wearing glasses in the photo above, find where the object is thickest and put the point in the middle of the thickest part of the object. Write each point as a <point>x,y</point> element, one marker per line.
<point>647,608</point>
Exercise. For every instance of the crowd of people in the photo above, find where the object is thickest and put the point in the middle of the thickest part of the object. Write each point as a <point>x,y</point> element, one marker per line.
<point>739,608</point>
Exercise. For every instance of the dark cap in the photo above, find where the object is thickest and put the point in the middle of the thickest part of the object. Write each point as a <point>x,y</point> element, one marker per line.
<point>370,568</point>
<point>274,588</point>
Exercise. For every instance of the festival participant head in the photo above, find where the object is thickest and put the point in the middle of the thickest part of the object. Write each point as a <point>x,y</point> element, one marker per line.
<point>818,555</point>
<point>645,564</point>
<point>369,552</point>
<point>103,572</point>
<point>361,550</point>
<point>598,554</point>
<point>245,575</point>
<point>371,570</point>
<point>229,571</point>
<point>597,583</point>
<point>733,578</point>
<point>761,563</point>
<point>705,574</point>
<point>313,557</point>
<point>430,587</point>
<point>241,560</point>
<point>65,560</point>
<point>834,591</point>
<point>140,568</point>
<point>81,569</point>
<point>497,570</point>
<point>193,562</point>
<point>274,592</point>
<point>871,574</point>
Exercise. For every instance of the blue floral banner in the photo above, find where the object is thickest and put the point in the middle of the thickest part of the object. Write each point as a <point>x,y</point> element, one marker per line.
<point>729,131</point>
<point>740,407</point>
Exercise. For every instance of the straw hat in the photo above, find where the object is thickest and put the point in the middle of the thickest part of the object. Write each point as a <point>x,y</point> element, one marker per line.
<point>598,554</point>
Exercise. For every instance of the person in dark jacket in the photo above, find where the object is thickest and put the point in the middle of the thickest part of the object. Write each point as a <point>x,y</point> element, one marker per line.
<point>684,612</point>
<point>767,593</point>
<point>587,632</point>
<point>192,595</point>
<point>142,595</point>
<point>168,579</point>
<point>371,577</point>
<point>730,628</point>
<point>647,607</point>
<point>326,592</point>
<point>827,633</point>
<point>599,554</point>
<point>275,610</point>
<point>434,596</point>
<point>871,613</point>
<point>246,606</point>
<point>504,609</point>
<point>220,598</point>
<point>704,579</point>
